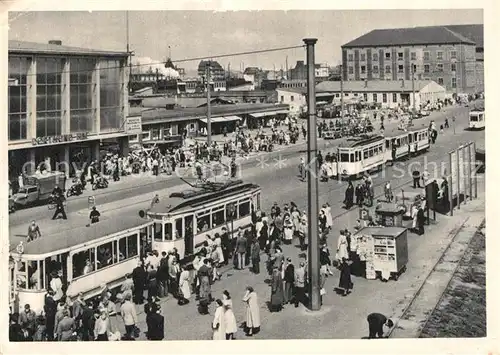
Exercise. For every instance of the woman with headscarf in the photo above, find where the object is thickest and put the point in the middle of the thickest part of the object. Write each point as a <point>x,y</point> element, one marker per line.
<point>277,296</point>
<point>218,325</point>
<point>288,228</point>
<point>252,323</point>
<point>229,319</point>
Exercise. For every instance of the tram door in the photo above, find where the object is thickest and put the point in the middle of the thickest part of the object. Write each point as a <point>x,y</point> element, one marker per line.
<point>188,235</point>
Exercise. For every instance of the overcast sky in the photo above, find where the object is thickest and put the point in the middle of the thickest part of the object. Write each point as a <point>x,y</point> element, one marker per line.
<point>201,33</point>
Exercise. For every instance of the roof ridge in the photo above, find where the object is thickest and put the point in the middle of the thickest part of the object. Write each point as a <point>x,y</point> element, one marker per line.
<point>459,36</point>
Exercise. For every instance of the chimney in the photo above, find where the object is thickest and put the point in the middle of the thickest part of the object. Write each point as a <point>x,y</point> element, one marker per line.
<point>402,83</point>
<point>56,42</point>
<point>366,83</point>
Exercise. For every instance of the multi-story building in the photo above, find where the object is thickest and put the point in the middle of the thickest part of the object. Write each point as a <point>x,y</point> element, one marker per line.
<point>217,72</point>
<point>439,53</point>
<point>65,103</point>
<point>321,71</point>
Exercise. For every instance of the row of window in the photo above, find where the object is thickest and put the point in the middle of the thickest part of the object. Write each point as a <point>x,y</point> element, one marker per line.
<point>400,56</point>
<point>400,68</point>
<point>367,153</point>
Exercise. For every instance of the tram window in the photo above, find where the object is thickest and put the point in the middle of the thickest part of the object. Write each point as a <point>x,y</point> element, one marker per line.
<point>104,255</point>
<point>218,216</point>
<point>42,274</point>
<point>168,231</point>
<point>178,228</point>
<point>83,262</point>
<point>203,221</point>
<point>188,226</point>
<point>33,276</point>
<point>21,275</point>
<point>344,157</point>
<point>387,143</point>
<point>258,201</point>
<point>132,249</point>
<point>157,232</point>
<point>370,152</point>
<point>231,207</point>
<point>352,158</point>
<point>244,208</point>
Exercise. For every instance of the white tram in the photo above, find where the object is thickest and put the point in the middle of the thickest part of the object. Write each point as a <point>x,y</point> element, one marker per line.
<point>419,140</point>
<point>400,145</point>
<point>477,119</point>
<point>184,219</point>
<point>85,257</point>
<point>359,155</point>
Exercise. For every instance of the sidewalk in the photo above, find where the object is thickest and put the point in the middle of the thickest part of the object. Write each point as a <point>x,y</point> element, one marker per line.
<point>340,317</point>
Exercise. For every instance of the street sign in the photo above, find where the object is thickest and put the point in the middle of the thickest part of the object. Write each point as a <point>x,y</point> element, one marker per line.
<point>364,214</point>
<point>91,201</point>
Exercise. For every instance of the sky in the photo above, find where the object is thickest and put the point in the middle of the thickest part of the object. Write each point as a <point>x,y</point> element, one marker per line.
<point>194,34</point>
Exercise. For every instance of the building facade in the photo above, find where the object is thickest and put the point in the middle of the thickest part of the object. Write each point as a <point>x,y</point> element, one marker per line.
<point>217,72</point>
<point>64,103</point>
<point>428,53</point>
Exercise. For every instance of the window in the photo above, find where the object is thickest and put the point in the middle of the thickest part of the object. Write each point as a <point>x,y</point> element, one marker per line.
<point>413,55</point>
<point>365,96</point>
<point>18,71</point>
<point>218,216</point>
<point>427,56</point>
<point>427,68</point>
<point>81,94</point>
<point>454,82</point>
<point>453,54</point>
<point>157,232</point>
<point>400,69</point>
<point>414,68</point>
<point>127,247</point>
<point>375,57</point>
<point>351,70</point>
<point>231,209</point>
<point>179,233</point>
<point>363,69</point>
<point>282,98</point>
<point>439,67</point>
<point>365,154</point>
<point>384,98</point>
<point>362,57</point>
<point>400,55</point>
<point>387,55</point>
<point>244,208</point>
<point>375,69</point>
<point>350,57</point>
<point>374,97</point>
<point>344,157</point>
<point>387,69</point>
<point>203,221</point>
<point>48,98</point>
<point>337,95</point>
<point>346,94</point>
<point>110,91</point>
<point>439,55</point>
<point>105,255</point>
<point>291,98</point>
<point>155,134</point>
<point>453,67</point>
<point>168,231</point>
<point>394,97</point>
<point>440,81</point>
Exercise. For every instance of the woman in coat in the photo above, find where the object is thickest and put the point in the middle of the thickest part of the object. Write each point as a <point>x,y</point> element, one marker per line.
<point>277,294</point>
<point>342,252</point>
<point>218,324</point>
<point>349,196</point>
<point>184,286</point>
<point>229,319</point>
<point>252,323</point>
<point>295,219</point>
<point>345,283</point>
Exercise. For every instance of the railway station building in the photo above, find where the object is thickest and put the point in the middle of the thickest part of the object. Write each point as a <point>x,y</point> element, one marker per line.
<point>65,103</point>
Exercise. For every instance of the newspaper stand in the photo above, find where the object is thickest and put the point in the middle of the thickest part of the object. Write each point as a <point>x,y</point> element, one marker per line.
<point>385,250</point>
<point>389,214</point>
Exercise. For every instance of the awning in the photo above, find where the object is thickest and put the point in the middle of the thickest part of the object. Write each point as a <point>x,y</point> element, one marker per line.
<point>221,119</point>
<point>324,94</point>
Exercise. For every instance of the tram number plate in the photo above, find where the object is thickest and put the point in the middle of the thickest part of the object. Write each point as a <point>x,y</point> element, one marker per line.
<point>91,201</point>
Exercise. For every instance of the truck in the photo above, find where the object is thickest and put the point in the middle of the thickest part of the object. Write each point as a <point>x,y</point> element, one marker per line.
<point>38,188</point>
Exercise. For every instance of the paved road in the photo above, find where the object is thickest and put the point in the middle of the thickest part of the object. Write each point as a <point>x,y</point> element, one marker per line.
<point>146,186</point>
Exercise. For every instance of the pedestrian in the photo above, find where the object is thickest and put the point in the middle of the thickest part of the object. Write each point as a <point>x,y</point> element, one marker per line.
<point>65,327</point>
<point>288,230</point>
<point>50,309</point>
<point>27,319</point>
<point>241,249</point>
<point>345,282</point>
<point>255,256</point>
<point>300,284</point>
<point>129,317</point>
<point>162,275</point>
<point>277,297</point>
<point>156,324</point>
<point>173,276</point>
<point>205,288</point>
<point>102,327</point>
<point>229,319</point>
<point>302,233</point>
<point>56,285</point>
<point>139,276</point>
<point>94,215</point>
<point>376,322</point>
<point>420,220</point>
<point>33,232</point>
<point>349,195</point>
<point>58,197</point>
<point>288,278</point>
<point>252,323</point>
<point>360,195</point>
<point>184,287</point>
<point>87,322</point>
<point>342,251</point>
<point>416,178</point>
<point>218,325</point>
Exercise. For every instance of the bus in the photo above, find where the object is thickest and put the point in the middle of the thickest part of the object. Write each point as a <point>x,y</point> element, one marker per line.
<point>477,119</point>
<point>359,155</point>
<point>185,218</point>
<point>85,256</point>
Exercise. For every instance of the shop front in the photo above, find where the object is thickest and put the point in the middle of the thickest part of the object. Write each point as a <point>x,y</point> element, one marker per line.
<point>220,124</point>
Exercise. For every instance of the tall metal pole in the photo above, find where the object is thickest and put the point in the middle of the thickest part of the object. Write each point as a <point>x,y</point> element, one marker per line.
<point>475,163</point>
<point>341,91</point>
<point>450,183</point>
<point>129,57</point>
<point>413,95</point>
<point>312,181</point>
<point>471,169</point>
<point>458,176</point>
<point>209,109</point>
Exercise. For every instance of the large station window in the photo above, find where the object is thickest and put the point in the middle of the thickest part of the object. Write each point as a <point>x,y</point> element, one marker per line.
<point>18,74</point>
<point>81,94</point>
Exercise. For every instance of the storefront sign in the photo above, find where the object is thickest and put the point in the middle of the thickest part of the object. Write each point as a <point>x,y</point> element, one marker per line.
<point>133,125</point>
<point>60,139</point>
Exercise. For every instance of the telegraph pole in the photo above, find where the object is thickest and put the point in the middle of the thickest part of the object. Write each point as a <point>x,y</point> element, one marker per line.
<point>342,91</point>
<point>129,59</point>
<point>209,113</point>
<point>413,93</point>
<point>312,181</point>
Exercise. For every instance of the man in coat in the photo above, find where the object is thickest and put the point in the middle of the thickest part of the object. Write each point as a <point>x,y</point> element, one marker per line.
<point>300,284</point>
<point>241,249</point>
<point>289,279</point>
<point>376,322</point>
<point>156,324</point>
<point>139,276</point>
<point>255,256</point>
<point>162,275</point>
<point>225,245</point>
<point>277,296</point>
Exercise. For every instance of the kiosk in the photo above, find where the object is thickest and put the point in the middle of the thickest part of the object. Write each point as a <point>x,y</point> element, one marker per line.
<point>389,214</point>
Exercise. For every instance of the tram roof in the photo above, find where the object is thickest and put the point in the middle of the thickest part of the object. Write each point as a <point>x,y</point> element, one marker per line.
<point>60,234</point>
<point>190,197</point>
<point>359,141</point>
<point>395,132</point>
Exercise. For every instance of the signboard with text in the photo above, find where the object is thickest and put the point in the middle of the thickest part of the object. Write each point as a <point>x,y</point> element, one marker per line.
<point>72,137</point>
<point>133,125</point>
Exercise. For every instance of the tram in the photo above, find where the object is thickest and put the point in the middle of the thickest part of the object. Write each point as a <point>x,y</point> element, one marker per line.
<point>477,119</point>
<point>185,218</point>
<point>400,145</point>
<point>85,257</point>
